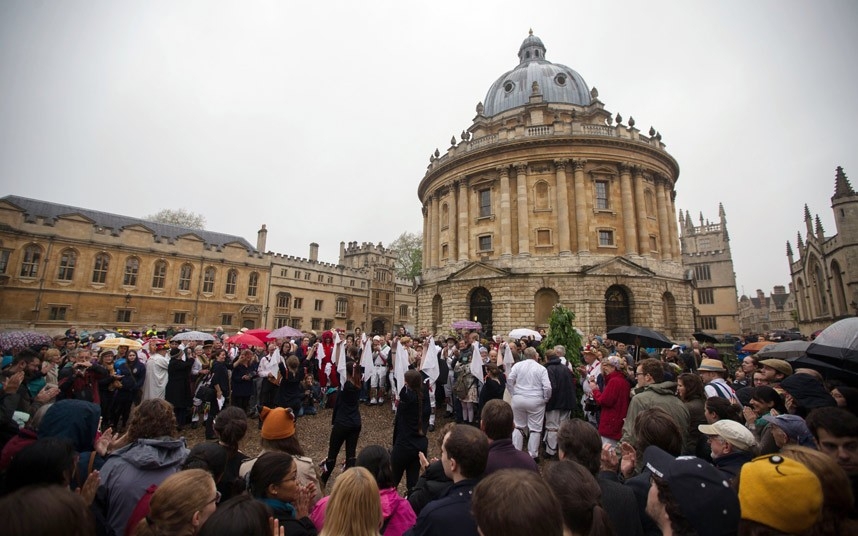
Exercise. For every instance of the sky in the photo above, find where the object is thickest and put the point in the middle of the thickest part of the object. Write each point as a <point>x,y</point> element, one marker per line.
<point>318,118</point>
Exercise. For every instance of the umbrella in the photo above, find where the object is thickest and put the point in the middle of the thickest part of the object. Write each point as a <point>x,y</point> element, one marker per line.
<point>828,370</point>
<point>837,344</point>
<point>466,324</point>
<point>244,338</point>
<point>756,346</point>
<point>704,337</point>
<point>520,333</point>
<point>640,337</point>
<point>286,332</point>
<point>18,340</point>
<point>116,342</point>
<point>784,350</point>
<point>192,336</point>
<point>261,334</point>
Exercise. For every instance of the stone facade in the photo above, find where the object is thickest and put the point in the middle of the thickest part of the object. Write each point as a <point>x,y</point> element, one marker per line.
<point>553,200</point>
<point>762,314</point>
<point>825,272</point>
<point>63,266</point>
<point>707,258</point>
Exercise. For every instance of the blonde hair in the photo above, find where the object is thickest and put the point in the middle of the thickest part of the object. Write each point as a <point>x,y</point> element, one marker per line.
<point>175,502</point>
<point>354,507</point>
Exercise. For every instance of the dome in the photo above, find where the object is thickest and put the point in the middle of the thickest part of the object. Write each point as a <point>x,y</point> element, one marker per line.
<point>557,83</point>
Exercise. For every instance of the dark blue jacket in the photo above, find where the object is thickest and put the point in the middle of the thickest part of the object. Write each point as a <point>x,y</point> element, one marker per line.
<point>450,515</point>
<point>503,455</point>
<point>563,394</point>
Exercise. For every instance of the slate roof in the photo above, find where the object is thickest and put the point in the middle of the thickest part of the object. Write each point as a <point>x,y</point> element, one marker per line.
<point>34,209</point>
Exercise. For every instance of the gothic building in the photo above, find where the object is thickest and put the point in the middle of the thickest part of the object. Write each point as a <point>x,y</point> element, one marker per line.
<point>706,256</point>
<point>762,314</point>
<point>825,272</point>
<point>62,265</point>
<point>549,198</point>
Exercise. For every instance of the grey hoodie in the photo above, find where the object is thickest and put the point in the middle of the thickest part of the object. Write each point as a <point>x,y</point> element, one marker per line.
<point>129,471</point>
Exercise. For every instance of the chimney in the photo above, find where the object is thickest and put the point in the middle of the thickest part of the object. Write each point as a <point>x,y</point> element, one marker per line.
<point>314,252</point>
<point>779,289</point>
<point>342,253</point>
<point>261,238</point>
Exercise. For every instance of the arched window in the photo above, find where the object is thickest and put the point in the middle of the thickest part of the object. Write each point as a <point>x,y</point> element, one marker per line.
<point>68,260</point>
<point>209,280</point>
<point>284,300</point>
<point>668,312</point>
<point>252,284</point>
<point>445,216</point>
<point>159,275</point>
<point>99,268</point>
<point>481,308</point>
<point>231,278</point>
<point>185,273</point>
<point>617,308</point>
<point>542,196</point>
<point>132,268</point>
<point>544,301</point>
<point>837,290</point>
<point>437,307</point>
<point>30,262</point>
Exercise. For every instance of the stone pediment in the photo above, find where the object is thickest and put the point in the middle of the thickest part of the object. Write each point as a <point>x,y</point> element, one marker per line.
<point>138,227</point>
<point>478,270</point>
<point>619,266</point>
<point>76,217</point>
<point>191,236</point>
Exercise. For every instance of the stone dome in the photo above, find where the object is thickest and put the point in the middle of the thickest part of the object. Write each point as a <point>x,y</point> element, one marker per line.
<point>557,83</point>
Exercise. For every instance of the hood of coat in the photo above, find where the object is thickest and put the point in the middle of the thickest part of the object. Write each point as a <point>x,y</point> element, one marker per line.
<point>76,420</point>
<point>663,388</point>
<point>156,453</point>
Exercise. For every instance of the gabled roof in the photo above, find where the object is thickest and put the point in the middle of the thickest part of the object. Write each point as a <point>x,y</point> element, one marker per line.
<point>619,266</point>
<point>478,270</point>
<point>34,208</point>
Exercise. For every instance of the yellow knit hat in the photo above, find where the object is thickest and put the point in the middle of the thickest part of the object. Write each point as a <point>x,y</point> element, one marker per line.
<point>780,493</point>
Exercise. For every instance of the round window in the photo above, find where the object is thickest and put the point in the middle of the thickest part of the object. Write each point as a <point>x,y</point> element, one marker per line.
<point>560,79</point>
<point>508,86</point>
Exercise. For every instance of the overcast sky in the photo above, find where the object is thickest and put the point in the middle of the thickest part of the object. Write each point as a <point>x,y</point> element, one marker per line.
<point>318,118</point>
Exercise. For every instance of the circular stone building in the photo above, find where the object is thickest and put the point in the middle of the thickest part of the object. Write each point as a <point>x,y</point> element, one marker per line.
<point>548,199</point>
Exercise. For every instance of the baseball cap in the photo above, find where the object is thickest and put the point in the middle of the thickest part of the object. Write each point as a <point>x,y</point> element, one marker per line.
<point>794,427</point>
<point>676,347</point>
<point>780,493</point>
<point>732,432</point>
<point>704,496</point>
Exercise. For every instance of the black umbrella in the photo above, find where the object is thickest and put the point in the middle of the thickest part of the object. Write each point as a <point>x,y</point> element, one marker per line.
<point>837,344</point>
<point>641,337</point>
<point>828,370</point>
<point>704,337</point>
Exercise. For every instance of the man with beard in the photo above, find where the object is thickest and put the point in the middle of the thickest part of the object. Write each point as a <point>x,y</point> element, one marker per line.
<point>30,389</point>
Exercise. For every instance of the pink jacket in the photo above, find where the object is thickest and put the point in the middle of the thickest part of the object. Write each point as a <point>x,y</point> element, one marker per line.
<point>395,511</point>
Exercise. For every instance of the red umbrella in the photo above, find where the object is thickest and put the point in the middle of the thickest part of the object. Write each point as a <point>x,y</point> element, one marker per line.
<point>244,338</point>
<point>756,346</point>
<point>261,334</point>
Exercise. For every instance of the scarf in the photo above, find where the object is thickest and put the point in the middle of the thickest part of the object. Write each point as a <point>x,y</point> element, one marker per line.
<point>277,505</point>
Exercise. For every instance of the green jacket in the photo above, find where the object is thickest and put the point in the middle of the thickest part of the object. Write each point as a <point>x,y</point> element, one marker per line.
<point>662,395</point>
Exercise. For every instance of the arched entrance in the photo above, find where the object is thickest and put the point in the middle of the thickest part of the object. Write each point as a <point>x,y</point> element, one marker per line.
<point>380,326</point>
<point>617,309</point>
<point>481,308</point>
<point>544,302</point>
<point>437,307</point>
<point>668,313</point>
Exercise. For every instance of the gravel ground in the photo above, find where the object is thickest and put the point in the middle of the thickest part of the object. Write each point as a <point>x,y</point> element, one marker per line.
<point>313,432</point>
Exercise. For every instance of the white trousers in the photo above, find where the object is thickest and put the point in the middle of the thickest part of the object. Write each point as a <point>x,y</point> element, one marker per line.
<point>553,419</point>
<point>527,414</point>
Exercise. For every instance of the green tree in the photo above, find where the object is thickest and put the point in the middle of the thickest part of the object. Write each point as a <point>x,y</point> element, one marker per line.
<point>561,330</point>
<point>409,254</point>
<point>178,216</point>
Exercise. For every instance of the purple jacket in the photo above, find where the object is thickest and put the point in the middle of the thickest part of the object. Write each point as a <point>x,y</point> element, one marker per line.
<point>502,455</point>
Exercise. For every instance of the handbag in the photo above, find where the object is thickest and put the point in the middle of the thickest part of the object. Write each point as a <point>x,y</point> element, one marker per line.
<point>205,392</point>
<point>590,405</point>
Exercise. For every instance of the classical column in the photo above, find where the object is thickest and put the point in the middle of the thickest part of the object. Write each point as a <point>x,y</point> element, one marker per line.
<point>676,252</point>
<point>453,224</point>
<point>505,216</point>
<point>434,217</point>
<point>629,229</point>
<point>523,225</point>
<point>425,209</point>
<point>463,220</point>
<point>440,219</point>
<point>640,211</point>
<point>562,207</point>
<point>663,229</point>
<point>582,221</point>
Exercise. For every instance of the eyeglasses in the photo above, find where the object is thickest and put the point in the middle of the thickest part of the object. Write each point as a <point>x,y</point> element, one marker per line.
<point>216,497</point>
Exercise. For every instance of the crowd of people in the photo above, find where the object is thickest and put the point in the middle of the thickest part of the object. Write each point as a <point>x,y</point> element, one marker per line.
<point>596,440</point>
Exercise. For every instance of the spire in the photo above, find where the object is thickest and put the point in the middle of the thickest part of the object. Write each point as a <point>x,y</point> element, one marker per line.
<point>702,222</point>
<point>842,188</point>
<point>681,224</point>
<point>689,224</point>
<point>808,221</point>
<point>800,242</point>
<point>721,212</point>
<point>789,251</point>
<point>820,232</point>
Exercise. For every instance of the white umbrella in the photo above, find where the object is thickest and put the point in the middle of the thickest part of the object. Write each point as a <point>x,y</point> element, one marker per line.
<point>193,336</point>
<point>521,333</point>
<point>285,332</point>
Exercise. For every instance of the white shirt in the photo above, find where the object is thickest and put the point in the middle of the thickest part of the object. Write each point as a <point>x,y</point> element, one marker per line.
<point>269,364</point>
<point>593,370</point>
<point>530,379</point>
